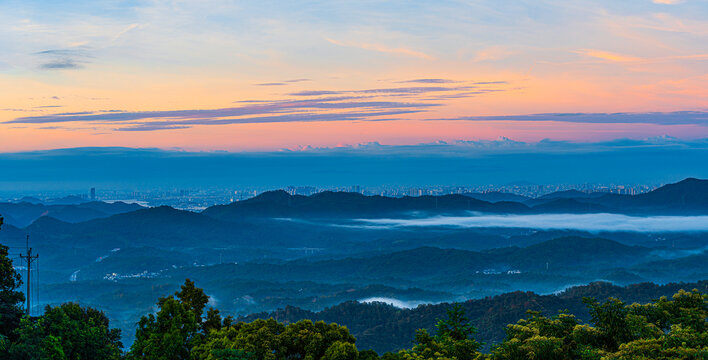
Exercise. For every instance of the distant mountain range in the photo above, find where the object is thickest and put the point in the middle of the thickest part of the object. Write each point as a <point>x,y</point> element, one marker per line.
<point>71,210</point>
<point>689,196</point>
<point>496,196</point>
<point>283,226</point>
<point>336,204</point>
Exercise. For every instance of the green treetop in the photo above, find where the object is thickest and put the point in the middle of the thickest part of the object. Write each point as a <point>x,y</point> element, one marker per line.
<point>11,300</point>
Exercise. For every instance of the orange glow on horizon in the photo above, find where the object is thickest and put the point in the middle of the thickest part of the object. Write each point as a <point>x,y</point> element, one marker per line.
<point>397,85</point>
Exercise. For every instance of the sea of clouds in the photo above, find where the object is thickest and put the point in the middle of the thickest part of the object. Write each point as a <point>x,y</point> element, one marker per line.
<point>584,222</point>
<point>401,304</point>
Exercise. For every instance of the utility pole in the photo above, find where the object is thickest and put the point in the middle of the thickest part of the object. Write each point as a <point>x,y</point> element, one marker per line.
<point>29,258</point>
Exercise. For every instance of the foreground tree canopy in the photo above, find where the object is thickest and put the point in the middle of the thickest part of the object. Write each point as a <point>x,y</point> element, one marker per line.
<point>10,298</point>
<point>182,328</point>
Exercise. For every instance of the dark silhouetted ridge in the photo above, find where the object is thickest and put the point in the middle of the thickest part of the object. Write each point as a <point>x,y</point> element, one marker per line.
<point>336,204</point>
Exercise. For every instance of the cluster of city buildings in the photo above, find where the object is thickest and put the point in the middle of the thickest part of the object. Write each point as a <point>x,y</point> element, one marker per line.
<point>528,190</point>
<point>198,199</point>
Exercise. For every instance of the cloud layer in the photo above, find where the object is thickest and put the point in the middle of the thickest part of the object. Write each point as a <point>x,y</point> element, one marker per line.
<point>303,106</point>
<point>505,145</point>
<point>401,304</point>
<point>372,104</point>
<point>584,222</point>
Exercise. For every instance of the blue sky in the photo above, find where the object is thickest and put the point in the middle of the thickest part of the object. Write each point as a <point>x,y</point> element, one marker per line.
<point>202,61</point>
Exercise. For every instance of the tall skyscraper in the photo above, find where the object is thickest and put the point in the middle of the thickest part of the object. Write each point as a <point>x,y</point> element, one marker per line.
<point>93,194</point>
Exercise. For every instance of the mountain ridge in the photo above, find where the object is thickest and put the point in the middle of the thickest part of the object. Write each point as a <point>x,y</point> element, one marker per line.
<point>689,196</point>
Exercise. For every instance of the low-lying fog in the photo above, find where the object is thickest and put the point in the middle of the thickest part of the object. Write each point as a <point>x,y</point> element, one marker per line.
<point>583,222</point>
<point>401,304</point>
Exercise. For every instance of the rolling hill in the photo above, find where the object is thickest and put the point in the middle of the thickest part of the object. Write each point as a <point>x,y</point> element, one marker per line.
<point>342,204</point>
<point>24,213</point>
<point>689,196</point>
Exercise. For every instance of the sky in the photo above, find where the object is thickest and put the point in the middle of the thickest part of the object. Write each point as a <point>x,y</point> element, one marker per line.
<point>267,75</point>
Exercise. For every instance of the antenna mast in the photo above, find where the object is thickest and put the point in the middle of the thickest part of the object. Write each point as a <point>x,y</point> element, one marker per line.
<point>29,258</point>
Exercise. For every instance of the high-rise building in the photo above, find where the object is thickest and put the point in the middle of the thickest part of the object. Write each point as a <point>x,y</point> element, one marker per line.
<point>93,194</point>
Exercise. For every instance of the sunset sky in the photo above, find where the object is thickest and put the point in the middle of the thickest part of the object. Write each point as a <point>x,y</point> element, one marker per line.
<point>266,75</point>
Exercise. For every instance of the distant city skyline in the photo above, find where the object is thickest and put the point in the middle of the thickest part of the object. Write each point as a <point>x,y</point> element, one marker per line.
<point>197,198</point>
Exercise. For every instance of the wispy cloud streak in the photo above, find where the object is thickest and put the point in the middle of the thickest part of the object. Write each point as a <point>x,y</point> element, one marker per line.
<point>400,90</point>
<point>429,81</point>
<point>62,59</point>
<point>304,117</point>
<point>277,107</point>
<point>661,118</point>
<point>309,105</point>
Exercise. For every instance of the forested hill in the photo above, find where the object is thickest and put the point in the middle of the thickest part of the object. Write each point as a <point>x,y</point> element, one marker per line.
<point>24,213</point>
<point>384,328</point>
<point>281,204</point>
<point>685,197</point>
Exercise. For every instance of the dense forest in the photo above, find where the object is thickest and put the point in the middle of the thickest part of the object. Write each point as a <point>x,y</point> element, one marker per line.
<point>385,328</point>
<point>183,328</point>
